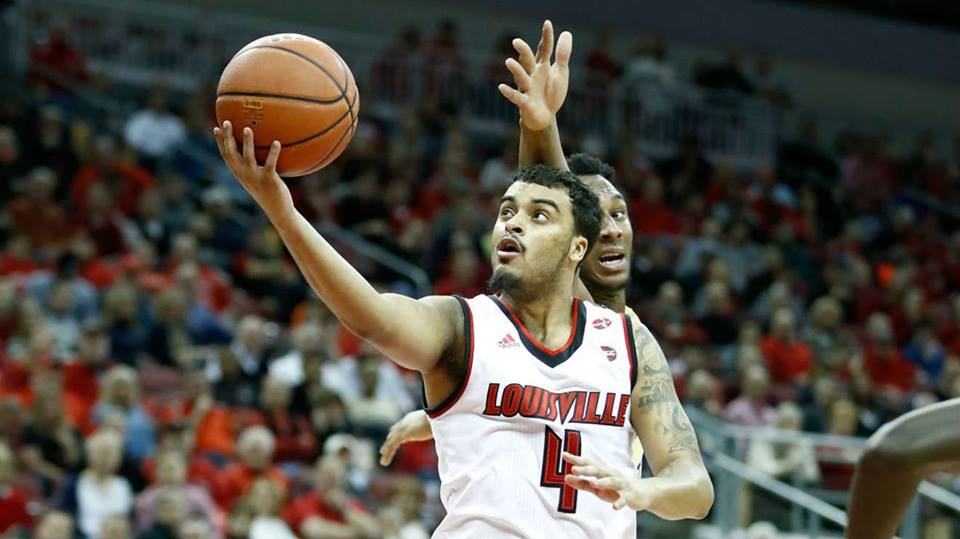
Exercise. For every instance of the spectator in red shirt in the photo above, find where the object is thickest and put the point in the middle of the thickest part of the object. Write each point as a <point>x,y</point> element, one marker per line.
<point>255,447</point>
<point>328,510</point>
<point>788,358</point>
<point>295,441</point>
<point>80,384</point>
<point>13,499</point>
<point>102,221</point>
<point>650,214</point>
<point>882,360</point>
<point>36,215</point>
<point>208,284</point>
<point>15,258</point>
<point>124,180</point>
<point>56,63</point>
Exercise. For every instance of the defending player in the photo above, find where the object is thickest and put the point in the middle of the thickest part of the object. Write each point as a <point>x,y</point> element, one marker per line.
<point>898,457</point>
<point>512,380</point>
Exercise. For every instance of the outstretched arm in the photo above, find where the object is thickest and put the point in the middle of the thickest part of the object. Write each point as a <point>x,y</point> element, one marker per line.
<point>680,487</point>
<point>897,458</point>
<point>414,333</point>
<point>540,92</point>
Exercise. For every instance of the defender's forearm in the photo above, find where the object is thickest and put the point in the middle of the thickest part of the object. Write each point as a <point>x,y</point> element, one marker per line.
<point>542,146</point>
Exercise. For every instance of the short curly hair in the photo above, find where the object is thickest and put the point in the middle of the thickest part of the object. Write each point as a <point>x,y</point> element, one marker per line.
<point>586,205</point>
<point>584,164</point>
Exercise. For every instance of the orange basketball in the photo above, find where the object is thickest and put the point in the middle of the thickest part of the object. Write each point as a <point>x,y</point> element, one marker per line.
<point>295,89</point>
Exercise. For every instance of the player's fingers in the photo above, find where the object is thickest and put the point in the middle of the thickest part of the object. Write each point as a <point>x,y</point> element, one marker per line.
<point>576,459</point>
<point>577,482</point>
<point>520,75</point>
<point>590,470</point>
<point>612,483</point>
<point>525,54</point>
<point>218,136</point>
<point>546,42</point>
<point>270,165</point>
<point>229,142</point>
<point>387,451</point>
<point>564,49</point>
<point>620,503</point>
<point>249,159</point>
<point>513,96</point>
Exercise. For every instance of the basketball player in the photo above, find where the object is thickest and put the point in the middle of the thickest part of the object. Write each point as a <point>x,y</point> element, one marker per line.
<point>605,272</point>
<point>898,457</point>
<point>515,380</point>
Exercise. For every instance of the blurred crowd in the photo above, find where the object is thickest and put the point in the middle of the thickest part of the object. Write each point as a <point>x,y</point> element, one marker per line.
<point>165,372</point>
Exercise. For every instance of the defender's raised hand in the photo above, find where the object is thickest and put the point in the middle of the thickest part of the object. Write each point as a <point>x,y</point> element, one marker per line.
<point>541,86</point>
<point>262,182</point>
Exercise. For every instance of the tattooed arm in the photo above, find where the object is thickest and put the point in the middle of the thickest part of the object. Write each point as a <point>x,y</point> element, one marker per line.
<point>680,487</point>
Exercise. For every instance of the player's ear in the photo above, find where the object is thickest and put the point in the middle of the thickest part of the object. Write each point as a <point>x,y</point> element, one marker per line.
<point>578,248</point>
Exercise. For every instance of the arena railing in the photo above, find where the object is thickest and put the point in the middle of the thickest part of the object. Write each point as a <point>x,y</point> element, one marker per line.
<point>727,441</point>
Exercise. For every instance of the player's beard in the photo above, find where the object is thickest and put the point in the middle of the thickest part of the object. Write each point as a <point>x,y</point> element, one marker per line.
<point>504,282</point>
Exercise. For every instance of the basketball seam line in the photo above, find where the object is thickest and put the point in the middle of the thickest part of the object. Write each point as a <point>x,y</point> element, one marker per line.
<point>343,92</point>
<point>346,87</point>
<point>280,96</point>
<point>313,136</point>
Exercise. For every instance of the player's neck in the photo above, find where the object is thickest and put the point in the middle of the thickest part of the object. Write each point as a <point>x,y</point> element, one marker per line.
<point>547,317</point>
<point>615,300</point>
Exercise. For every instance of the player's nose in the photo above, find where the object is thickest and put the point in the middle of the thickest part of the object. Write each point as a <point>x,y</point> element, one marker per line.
<point>514,227</point>
<point>610,229</point>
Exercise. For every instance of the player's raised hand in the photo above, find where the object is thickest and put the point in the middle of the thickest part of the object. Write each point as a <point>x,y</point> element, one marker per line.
<point>262,182</point>
<point>541,85</point>
<point>622,487</point>
<point>413,427</point>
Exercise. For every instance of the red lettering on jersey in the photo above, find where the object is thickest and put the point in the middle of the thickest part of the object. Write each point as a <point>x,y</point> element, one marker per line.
<point>492,407</point>
<point>568,407</point>
<point>543,407</point>
<point>510,402</point>
<point>593,402</point>
<point>530,401</point>
<point>608,418</point>
<point>551,406</point>
<point>622,412</point>
<point>566,401</point>
<point>580,413</point>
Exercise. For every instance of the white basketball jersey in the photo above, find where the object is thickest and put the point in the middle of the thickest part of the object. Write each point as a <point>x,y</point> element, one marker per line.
<point>499,437</point>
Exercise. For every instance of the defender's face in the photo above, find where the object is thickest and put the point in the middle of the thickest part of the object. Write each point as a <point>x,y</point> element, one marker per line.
<point>607,267</point>
<point>534,234</point>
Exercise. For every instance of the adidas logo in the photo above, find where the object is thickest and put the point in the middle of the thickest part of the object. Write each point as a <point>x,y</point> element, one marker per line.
<point>508,342</point>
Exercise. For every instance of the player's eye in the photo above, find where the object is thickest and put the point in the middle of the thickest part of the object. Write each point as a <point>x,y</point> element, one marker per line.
<point>541,216</point>
<point>506,212</point>
<point>618,214</point>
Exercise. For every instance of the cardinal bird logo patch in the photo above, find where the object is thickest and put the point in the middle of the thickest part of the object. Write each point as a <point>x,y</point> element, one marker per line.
<point>611,353</point>
<point>601,323</point>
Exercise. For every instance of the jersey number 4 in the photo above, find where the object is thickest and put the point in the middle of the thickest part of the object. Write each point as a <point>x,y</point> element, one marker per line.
<point>555,468</point>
